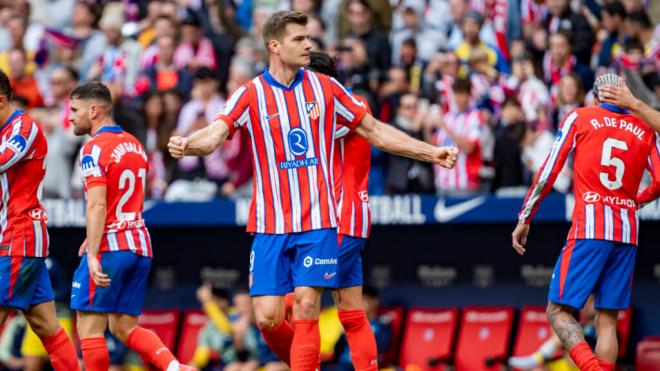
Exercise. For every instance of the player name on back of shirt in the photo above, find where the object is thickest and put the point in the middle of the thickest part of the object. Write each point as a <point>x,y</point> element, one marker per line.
<point>127,147</point>
<point>614,122</point>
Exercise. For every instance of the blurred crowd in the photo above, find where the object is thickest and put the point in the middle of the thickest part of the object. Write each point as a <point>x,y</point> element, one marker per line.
<point>492,77</point>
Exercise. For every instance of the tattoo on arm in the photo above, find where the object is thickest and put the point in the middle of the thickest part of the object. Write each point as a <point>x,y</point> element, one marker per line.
<point>567,328</point>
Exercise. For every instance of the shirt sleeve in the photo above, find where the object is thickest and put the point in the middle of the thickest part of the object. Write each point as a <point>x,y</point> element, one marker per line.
<point>348,110</point>
<point>652,192</point>
<point>19,144</point>
<point>91,169</point>
<point>236,112</point>
<point>552,166</point>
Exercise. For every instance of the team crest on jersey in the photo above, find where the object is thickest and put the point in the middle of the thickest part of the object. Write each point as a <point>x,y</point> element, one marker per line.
<point>313,110</point>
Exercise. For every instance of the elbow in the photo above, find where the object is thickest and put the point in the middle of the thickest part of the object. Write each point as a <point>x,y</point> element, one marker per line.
<point>97,207</point>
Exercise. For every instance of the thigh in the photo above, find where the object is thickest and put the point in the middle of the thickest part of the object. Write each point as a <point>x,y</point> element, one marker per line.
<point>268,310</point>
<point>314,258</point>
<point>577,271</point>
<point>91,324</point>
<point>614,288</point>
<point>131,295</point>
<point>349,262</point>
<point>270,266</point>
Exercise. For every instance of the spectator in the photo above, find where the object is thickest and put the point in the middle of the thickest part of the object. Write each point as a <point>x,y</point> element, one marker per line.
<point>559,61</point>
<point>570,97</point>
<point>242,352</point>
<point>197,113</point>
<point>508,146</point>
<point>381,14</point>
<point>17,29</point>
<point>614,16</point>
<point>164,75</point>
<point>396,85</point>
<point>428,39</point>
<point>461,129</point>
<point>22,83</point>
<point>362,26</point>
<point>92,42</point>
<point>561,17</point>
<point>487,93</point>
<point>472,24</point>
<point>164,26</point>
<point>640,28</point>
<point>412,65</point>
<point>353,64</point>
<point>458,10</point>
<point>158,134</point>
<point>439,77</point>
<point>406,175</point>
<point>216,331</point>
<point>380,325</point>
<point>195,50</point>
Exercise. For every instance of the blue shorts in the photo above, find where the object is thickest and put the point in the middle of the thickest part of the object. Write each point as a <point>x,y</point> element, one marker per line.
<point>604,268</point>
<point>128,273</point>
<point>281,262</point>
<point>349,271</point>
<point>24,282</point>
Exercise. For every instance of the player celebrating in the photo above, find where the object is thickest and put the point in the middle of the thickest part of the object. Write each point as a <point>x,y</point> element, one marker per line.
<point>24,281</point>
<point>599,255</point>
<point>291,116</point>
<point>109,284</point>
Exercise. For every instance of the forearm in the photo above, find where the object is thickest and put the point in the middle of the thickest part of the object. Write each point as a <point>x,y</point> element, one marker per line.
<point>203,142</point>
<point>393,140</point>
<point>646,113</point>
<point>95,225</point>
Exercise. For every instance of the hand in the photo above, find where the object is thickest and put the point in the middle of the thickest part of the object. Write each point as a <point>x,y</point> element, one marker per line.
<point>619,96</point>
<point>519,237</point>
<point>204,293</point>
<point>83,248</point>
<point>177,147</point>
<point>446,157</point>
<point>100,279</point>
<point>227,189</point>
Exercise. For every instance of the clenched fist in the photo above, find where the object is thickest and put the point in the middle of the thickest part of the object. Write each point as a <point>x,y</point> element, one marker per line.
<point>177,146</point>
<point>446,157</point>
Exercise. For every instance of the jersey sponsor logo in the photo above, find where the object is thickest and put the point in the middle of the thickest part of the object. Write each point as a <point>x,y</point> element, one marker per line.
<point>18,143</point>
<point>328,276</point>
<point>298,141</point>
<point>294,164</point>
<point>364,196</point>
<point>89,166</point>
<point>591,197</point>
<point>37,214</point>
<point>121,225</point>
<point>313,110</point>
<point>308,261</point>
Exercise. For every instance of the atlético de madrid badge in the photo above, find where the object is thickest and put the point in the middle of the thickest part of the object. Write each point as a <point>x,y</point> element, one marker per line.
<point>313,110</point>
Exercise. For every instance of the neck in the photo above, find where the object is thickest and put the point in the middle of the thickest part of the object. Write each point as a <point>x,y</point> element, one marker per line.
<point>5,113</point>
<point>283,73</point>
<point>96,125</point>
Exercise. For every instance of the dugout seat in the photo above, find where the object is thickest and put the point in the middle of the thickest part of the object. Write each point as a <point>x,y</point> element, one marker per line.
<point>533,330</point>
<point>394,315</point>
<point>648,354</point>
<point>193,321</point>
<point>484,335</point>
<point>428,338</point>
<point>165,323</point>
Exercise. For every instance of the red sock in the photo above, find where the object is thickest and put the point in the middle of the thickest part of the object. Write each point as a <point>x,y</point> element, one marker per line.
<point>279,340</point>
<point>306,346</point>
<point>606,366</point>
<point>95,354</point>
<point>288,307</point>
<point>361,340</point>
<point>62,354</point>
<point>150,347</point>
<point>584,358</point>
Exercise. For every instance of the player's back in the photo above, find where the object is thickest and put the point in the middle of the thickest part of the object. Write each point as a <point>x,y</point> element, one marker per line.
<point>612,148</point>
<point>22,217</point>
<point>116,159</point>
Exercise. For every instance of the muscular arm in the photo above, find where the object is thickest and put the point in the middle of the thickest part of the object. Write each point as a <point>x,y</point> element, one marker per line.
<point>622,97</point>
<point>96,210</point>
<point>201,142</point>
<point>393,140</point>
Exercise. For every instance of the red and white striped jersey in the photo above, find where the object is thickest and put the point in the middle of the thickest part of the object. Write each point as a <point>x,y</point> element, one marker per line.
<point>22,170</point>
<point>611,149</point>
<point>532,11</point>
<point>292,134</point>
<point>351,166</point>
<point>115,159</point>
<point>465,175</point>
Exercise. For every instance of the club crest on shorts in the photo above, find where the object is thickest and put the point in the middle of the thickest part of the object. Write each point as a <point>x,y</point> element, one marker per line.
<point>313,110</point>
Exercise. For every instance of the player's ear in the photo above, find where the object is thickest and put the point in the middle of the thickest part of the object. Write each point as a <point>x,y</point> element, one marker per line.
<point>274,46</point>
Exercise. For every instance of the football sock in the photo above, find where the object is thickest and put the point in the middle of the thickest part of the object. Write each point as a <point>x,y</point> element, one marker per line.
<point>150,347</point>
<point>361,340</point>
<point>606,366</point>
<point>306,346</point>
<point>279,340</point>
<point>95,354</point>
<point>584,358</point>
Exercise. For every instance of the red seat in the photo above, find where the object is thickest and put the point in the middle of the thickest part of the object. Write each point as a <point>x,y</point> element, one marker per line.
<point>623,330</point>
<point>193,321</point>
<point>648,355</point>
<point>533,330</point>
<point>484,334</point>
<point>395,316</point>
<point>165,323</point>
<point>428,338</point>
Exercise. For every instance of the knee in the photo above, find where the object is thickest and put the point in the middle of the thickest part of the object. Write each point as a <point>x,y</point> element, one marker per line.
<point>306,307</point>
<point>268,318</point>
<point>44,329</point>
<point>553,311</point>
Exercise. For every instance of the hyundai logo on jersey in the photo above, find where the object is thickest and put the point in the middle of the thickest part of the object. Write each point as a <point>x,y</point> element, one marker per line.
<point>298,141</point>
<point>18,143</point>
<point>590,197</point>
